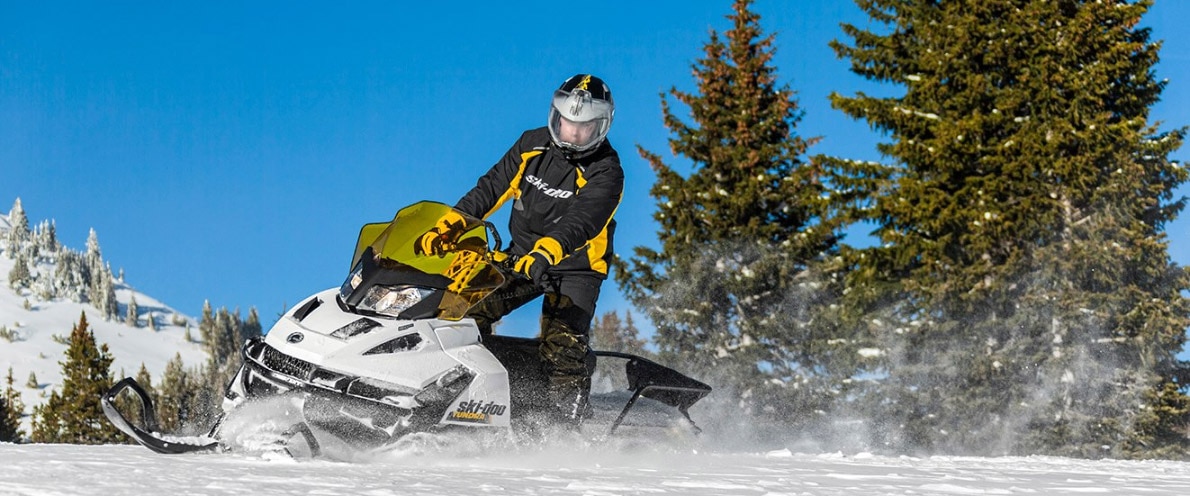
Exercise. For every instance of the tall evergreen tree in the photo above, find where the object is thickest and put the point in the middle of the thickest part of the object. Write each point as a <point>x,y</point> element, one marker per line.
<point>11,411</point>
<point>1029,299</point>
<point>73,414</point>
<point>730,290</point>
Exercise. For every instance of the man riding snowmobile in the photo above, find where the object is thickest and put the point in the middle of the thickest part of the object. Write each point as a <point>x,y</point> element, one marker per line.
<point>565,181</point>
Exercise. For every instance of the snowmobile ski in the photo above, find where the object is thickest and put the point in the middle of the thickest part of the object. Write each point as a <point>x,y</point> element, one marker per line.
<point>149,437</point>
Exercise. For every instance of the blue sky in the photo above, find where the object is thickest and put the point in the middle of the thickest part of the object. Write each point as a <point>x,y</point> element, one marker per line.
<point>230,150</point>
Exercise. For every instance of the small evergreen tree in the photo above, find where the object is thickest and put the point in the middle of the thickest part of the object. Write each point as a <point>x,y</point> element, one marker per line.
<point>73,414</point>
<point>132,318</point>
<point>32,382</point>
<point>20,277</point>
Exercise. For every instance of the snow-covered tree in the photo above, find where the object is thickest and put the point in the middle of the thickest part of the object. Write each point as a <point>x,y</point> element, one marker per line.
<point>72,277</point>
<point>132,317</point>
<point>18,232</point>
<point>19,276</point>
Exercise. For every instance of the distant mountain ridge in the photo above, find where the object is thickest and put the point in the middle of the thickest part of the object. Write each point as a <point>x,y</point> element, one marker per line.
<point>38,312</point>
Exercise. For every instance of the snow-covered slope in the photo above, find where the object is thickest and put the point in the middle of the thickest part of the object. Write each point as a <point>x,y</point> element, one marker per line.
<point>35,350</point>
<point>45,469</point>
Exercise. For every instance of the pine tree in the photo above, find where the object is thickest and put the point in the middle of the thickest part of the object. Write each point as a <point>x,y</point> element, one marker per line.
<point>20,277</point>
<point>71,277</point>
<point>11,411</point>
<point>18,232</point>
<point>732,287</point>
<point>177,399</point>
<point>103,293</point>
<point>611,334</point>
<point>223,334</point>
<point>251,328</point>
<point>206,326</point>
<point>132,317</point>
<point>47,238</point>
<point>73,414</point>
<point>1023,280</point>
<point>102,289</point>
<point>32,382</point>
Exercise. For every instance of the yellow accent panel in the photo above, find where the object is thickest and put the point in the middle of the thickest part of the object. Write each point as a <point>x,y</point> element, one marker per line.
<point>597,247</point>
<point>514,190</point>
<point>551,247</point>
<point>582,85</point>
<point>579,180</point>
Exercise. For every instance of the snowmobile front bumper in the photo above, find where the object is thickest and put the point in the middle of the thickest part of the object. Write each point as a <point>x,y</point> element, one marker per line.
<point>337,402</point>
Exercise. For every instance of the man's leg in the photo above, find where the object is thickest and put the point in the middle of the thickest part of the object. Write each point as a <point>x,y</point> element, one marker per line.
<point>566,354</point>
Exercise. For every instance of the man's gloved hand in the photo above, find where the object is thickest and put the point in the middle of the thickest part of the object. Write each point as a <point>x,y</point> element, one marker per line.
<point>534,265</point>
<point>442,237</point>
<point>433,242</point>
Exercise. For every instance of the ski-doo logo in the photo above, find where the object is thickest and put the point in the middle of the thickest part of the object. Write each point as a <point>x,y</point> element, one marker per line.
<point>545,188</point>
<point>294,338</point>
<point>477,411</point>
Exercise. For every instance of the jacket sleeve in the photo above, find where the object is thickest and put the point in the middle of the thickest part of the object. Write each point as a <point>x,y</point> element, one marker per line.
<point>497,186</point>
<point>594,205</point>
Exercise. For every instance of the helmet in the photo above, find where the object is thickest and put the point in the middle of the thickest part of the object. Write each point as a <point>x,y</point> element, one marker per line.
<point>581,113</point>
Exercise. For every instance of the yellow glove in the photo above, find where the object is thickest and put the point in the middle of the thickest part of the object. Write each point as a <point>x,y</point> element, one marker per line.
<point>442,237</point>
<point>534,265</point>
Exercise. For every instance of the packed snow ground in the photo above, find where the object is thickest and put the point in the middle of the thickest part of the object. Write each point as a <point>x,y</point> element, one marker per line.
<point>45,470</point>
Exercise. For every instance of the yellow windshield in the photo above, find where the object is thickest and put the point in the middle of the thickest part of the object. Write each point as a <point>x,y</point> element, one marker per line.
<point>466,262</point>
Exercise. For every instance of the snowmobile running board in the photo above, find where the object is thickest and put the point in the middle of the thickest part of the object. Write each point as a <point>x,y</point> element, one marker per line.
<point>658,382</point>
<point>147,438</point>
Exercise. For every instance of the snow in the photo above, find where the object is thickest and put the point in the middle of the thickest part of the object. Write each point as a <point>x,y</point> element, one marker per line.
<point>45,470</point>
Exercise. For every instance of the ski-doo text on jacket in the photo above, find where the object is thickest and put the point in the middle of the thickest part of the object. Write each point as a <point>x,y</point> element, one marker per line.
<point>564,204</point>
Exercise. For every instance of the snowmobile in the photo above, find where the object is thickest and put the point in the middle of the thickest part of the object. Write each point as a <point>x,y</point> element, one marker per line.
<point>391,352</point>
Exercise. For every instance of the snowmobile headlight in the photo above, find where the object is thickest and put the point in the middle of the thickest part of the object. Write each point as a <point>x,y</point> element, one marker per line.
<point>352,282</point>
<point>391,301</point>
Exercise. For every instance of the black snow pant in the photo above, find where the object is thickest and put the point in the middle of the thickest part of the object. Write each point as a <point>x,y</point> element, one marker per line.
<point>565,352</point>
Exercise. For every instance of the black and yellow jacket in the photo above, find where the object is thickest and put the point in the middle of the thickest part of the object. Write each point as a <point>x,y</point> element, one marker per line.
<point>565,205</point>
